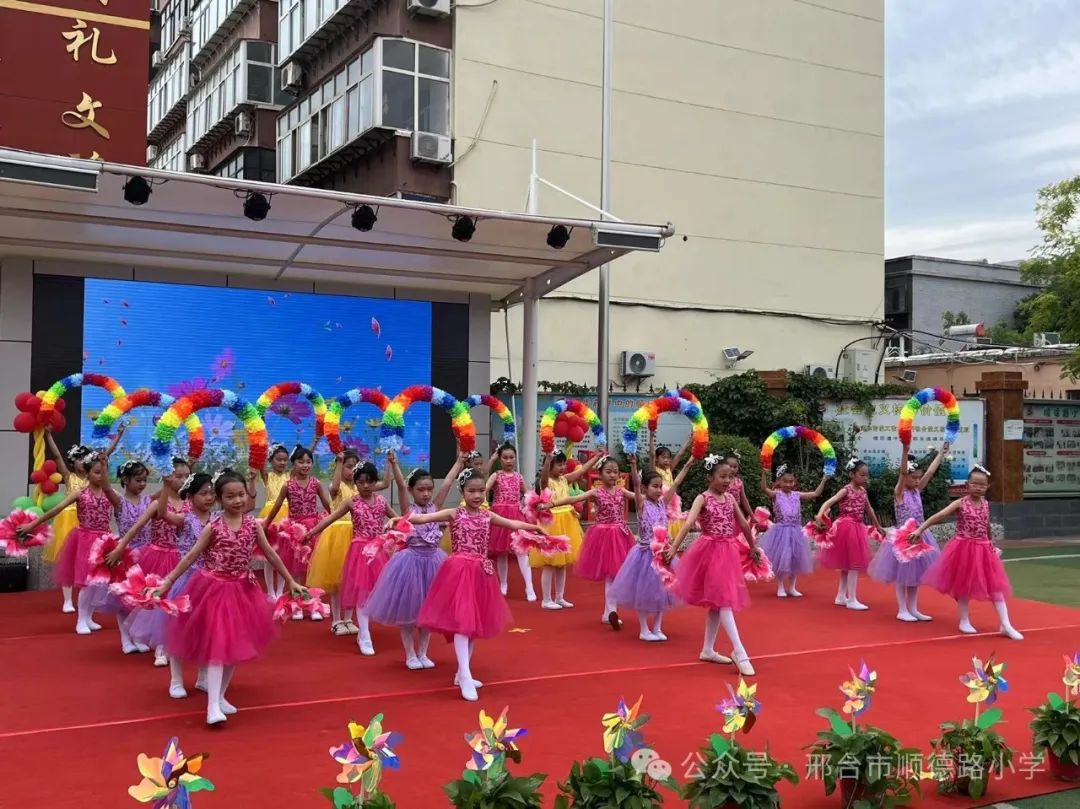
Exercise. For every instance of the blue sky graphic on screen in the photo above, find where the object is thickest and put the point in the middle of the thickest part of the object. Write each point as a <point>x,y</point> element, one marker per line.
<point>174,339</point>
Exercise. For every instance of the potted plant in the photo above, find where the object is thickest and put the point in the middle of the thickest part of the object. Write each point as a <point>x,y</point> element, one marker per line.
<point>728,776</point>
<point>1056,726</point>
<point>363,757</point>
<point>486,783</point>
<point>868,766</point>
<point>628,778</point>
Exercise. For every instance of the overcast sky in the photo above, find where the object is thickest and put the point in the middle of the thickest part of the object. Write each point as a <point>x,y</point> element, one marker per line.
<point>982,109</point>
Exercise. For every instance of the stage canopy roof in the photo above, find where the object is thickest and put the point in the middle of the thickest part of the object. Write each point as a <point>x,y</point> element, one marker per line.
<point>66,208</point>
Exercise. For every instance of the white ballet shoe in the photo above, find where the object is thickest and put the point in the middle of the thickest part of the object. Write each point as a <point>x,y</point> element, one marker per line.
<point>161,660</point>
<point>562,602</point>
<point>906,617</point>
<point>298,615</point>
<point>200,685</point>
<point>855,604</point>
<point>227,707</point>
<point>318,616</point>
<point>475,682</point>
<point>530,595</point>
<point>648,636</point>
<point>794,593</point>
<point>468,690</point>
<point>967,628</point>
<point>427,662</point>
<point>502,589</point>
<point>550,605</point>
<point>413,663</point>
<point>660,636</point>
<point>129,648</point>
<point>82,629</point>
<point>840,601</point>
<point>68,608</point>
<point>1010,632</point>
<point>781,593</point>
<point>94,625</point>
<point>712,656</point>
<point>920,616</point>
<point>178,691</point>
<point>366,648</point>
<point>142,648</point>
<point>215,716</point>
<point>742,664</point>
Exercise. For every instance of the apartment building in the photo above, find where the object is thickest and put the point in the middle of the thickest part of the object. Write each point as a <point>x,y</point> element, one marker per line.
<point>757,128</point>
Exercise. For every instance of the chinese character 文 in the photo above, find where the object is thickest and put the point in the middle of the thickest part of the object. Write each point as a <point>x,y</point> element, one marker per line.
<point>84,116</point>
<point>77,37</point>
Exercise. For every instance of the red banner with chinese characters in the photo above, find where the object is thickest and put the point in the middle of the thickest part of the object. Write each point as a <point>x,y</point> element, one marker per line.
<point>74,77</point>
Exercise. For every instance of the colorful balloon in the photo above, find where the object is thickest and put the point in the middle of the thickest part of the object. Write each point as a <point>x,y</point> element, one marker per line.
<point>551,415</point>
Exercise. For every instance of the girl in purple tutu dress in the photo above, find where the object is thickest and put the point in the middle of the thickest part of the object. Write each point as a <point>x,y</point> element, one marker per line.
<point>505,489</point>
<point>404,583</point>
<point>710,575</point>
<point>969,567</point>
<point>608,540</point>
<point>94,506</point>
<point>230,621</point>
<point>784,544</point>
<point>134,503</point>
<point>367,554</point>
<point>303,493</point>
<point>464,601</point>
<point>885,566</point>
<point>850,550</point>
<point>637,585</point>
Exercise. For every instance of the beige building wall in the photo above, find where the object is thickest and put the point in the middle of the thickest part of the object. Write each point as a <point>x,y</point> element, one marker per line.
<point>1043,376</point>
<point>756,127</point>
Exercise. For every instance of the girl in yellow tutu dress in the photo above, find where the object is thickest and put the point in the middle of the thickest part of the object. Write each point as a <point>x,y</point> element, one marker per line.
<point>74,474</point>
<point>274,480</point>
<point>665,464</point>
<point>564,522</point>
<point>328,558</point>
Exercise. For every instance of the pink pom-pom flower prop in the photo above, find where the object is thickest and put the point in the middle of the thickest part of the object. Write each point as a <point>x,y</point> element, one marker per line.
<point>761,520</point>
<point>660,563</point>
<point>310,603</point>
<point>15,545</point>
<point>756,565</point>
<point>286,533</point>
<point>139,591</point>
<point>525,541</point>
<point>906,543</point>
<point>538,507</point>
<point>674,508</point>
<point>820,536</point>
<point>100,572</point>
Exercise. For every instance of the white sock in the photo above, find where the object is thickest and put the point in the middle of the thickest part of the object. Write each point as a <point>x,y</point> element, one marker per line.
<point>407,642</point>
<point>546,575</point>
<point>85,614</point>
<point>657,624</point>
<point>902,599</point>
<point>643,620</point>
<point>176,674</point>
<point>609,605</point>
<point>465,679</point>
<point>423,639</point>
<point>335,608</point>
<point>526,574</point>
<point>502,566</point>
<point>125,637</point>
<point>560,583</point>
<point>727,620</point>
<point>852,584</point>
<point>1003,614</point>
<point>67,591</point>
<point>712,627</point>
<point>215,675</point>
<point>791,585</point>
<point>842,591</point>
<point>965,613</point>
<point>364,625</point>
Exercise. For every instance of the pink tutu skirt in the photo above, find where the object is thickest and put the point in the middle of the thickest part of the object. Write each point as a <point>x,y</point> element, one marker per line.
<point>361,572</point>
<point>850,547</point>
<point>73,565</point>
<point>230,622</point>
<point>969,569</point>
<point>499,537</point>
<point>464,599</point>
<point>293,562</point>
<point>605,549</point>
<point>159,560</point>
<point>710,574</point>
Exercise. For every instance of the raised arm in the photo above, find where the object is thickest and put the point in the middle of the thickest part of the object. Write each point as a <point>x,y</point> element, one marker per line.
<point>583,469</point>
<point>941,516</point>
<point>652,448</point>
<point>110,492</point>
<point>252,474</point>
<point>448,482</point>
<point>806,497</point>
<point>545,472</point>
<point>680,478</point>
<point>765,488</point>
<point>826,507</point>
<point>402,486</point>
<point>901,479</point>
<point>58,456</point>
<point>115,440</point>
<point>682,450</point>
<point>935,465</point>
<point>635,481</point>
<point>339,467</point>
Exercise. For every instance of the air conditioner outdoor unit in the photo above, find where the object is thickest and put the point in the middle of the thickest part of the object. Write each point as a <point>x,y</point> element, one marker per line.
<point>638,363</point>
<point>292,78</point>
<point>428,147</point>
<point>197,162</point>
<point>151,153</point>
<point>1047,338</point>
<point>430,8</point>
<point>819,370</point>
<point>155,59</point>
<point>243,124</point>
<point>860,365</point>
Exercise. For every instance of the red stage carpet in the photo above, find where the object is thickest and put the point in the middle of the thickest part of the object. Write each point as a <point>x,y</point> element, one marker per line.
<point>75,712</point>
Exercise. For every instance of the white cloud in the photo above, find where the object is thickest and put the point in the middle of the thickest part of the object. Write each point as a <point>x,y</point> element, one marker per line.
<point>993,239</point>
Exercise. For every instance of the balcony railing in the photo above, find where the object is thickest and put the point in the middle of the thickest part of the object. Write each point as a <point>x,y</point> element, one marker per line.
<point>305,26</point>
<point>168,94</point>
<point>212,22</point>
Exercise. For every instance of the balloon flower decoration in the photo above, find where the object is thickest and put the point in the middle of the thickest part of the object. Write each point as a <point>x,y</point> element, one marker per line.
<point>942,397</point>
<point>668,404</point>
<point>392,432</point>
<point>574,429</point>
<point>785,433</point>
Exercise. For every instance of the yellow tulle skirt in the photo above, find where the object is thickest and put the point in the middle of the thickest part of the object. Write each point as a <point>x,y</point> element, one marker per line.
<point>63,524</point>
<point>563,523</point>
<point>673,528</point>
<point>283,512</point>
<point>328,558</point>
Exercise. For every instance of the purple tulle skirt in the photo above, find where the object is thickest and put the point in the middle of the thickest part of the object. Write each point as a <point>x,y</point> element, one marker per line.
<point>73,565</point>
<point>403,586</point>
<point>788,550</point>
<point>151,627</point>
<point>158,560</point>
<point>499,537</point>
<point>710,574</point>
<point>605,549</point>
<point>969,569</point>
<point>850,547</point>
<point>361,572</point>
<point>464,599</point>
<point>638,586</point>
<point>885,567</point>
<point>230,622</point>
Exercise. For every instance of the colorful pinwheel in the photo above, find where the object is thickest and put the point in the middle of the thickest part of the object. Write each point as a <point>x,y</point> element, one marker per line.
<point>740,710</point>
<point>859,690</point>
<point>368,751</point>
<point>985,681</point>
<point>168,782</point>
<point>1071,678</point>
<point>493,743</point>
<point>621,730</point>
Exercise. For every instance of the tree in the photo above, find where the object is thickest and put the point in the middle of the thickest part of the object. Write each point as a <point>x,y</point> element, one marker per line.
<point>950,319</point>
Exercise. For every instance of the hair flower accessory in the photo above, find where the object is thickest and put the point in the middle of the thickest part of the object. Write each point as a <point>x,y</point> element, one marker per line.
<point>622,730</point>
<point>740,710</point>
<point>494,743</point>
<point>367,752</point>
<point>852,463</point>
<point>712,460</point>
<point>859,691</point>
<point>168,782</point>
<point>980,468</point>
<point>985,681</point>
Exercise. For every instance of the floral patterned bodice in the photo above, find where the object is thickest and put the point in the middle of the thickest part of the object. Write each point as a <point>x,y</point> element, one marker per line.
<point>610,506</point>
<point>129,513</point>
<point>787,507</point>
<point>736,488</point>
<point>507,489</point>
<point>854,505</point>
<point>910,507</point>
<point>229,552</point>
<point>367,518</point>
<point>469,532</point>
<point>162,532</point>
<point>94,511</point>
<point>652,515</point>
<point>973,521</point>
<point>428,535</point>
<point>717,517</point>
<point>303,498</point>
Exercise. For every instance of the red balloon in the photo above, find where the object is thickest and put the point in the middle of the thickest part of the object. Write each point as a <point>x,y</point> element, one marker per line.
<point>22,398</point>
<point>25,422</point>
<point>57,421</point>
<point>49,467</point>
<point>49,487</point>
<point>60,405</point>
<point>31,404</point>
<point>576,434</point>
<point>561,428</point>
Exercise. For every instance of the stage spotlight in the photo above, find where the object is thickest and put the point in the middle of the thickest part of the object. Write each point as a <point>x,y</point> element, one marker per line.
<point>558,236</point>
<point>256,206</point>
<point>364,218</point>
<point>463,229</point>
<point>137,191</point>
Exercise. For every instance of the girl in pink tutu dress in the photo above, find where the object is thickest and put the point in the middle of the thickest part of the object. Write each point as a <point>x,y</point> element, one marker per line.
<point>505,489</point>
<point>95,506</point>
<point>464,601</point>
<point>637,584</point>
<point>710,575</point>
<point>404,584</point>
<point>850,550</point>
<point>908,575</point>
<point>969,567</point>
<point>367,554</point>
<point>737,489</point>
<point>303,493</point>
<point>784,543</point>
<point>230,621</point>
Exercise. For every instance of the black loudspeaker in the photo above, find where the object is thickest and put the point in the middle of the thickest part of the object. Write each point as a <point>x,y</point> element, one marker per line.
<point>14,575</point>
